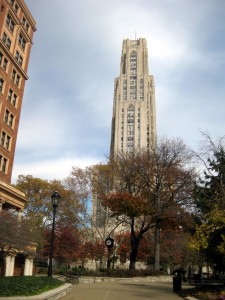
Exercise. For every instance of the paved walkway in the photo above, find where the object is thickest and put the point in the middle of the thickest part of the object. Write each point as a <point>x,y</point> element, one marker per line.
<point>123,291</point>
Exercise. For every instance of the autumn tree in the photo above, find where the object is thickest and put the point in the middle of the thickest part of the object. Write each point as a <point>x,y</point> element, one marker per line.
<point>38,210</point>
<point>150,187</point>
<point>87,184</point>
<point>67,244</point>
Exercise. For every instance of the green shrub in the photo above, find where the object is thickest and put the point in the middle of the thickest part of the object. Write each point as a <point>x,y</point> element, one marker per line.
<point>27,285</point>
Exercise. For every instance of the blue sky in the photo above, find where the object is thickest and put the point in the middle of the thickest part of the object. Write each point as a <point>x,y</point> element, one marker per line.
<point>67,106</point>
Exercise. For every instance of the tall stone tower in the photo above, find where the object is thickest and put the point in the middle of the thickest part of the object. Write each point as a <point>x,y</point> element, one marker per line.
<point>134,116</point>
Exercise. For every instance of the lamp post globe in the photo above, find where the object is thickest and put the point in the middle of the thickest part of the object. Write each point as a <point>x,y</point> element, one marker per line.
<point>55,197</point>
<point>55,202</point>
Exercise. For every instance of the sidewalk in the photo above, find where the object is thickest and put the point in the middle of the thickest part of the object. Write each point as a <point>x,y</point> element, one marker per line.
<point>123,291</point>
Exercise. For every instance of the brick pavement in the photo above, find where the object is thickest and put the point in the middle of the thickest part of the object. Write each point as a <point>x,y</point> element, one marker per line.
<point>123,291</point>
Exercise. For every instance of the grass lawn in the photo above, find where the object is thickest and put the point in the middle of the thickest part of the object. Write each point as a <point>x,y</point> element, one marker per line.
<point>27,285</point>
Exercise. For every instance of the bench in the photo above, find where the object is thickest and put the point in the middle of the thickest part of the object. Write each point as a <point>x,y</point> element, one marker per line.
<point>69,278</point>
<point>210,285</point>
<point>73,279</point>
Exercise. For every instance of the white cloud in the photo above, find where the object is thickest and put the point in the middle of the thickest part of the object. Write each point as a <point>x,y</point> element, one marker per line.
<point>59,168</point>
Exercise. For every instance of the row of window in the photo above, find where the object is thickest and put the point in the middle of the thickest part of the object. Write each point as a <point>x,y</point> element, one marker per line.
<point>16,8</point>
<point>3,164</point>
<point>6,40</point>
<point>11,25</point>
<point>12,96</point>
<point>130,130</point>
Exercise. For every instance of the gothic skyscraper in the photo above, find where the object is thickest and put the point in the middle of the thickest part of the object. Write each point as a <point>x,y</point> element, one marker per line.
<point>134,116</point>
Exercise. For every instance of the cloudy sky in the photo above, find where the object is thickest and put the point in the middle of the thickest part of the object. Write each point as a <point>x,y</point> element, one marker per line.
<point>67,107</point>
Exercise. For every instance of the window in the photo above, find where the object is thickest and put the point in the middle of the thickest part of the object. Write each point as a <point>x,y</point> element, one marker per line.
<point>3,164</point>
<point>27,27</point>
<point>25,24</point>
<point>17,80</point>
<point>12,97</point>
<point>124,89</point>
<point>142,89</point>
<point>6,116</point>
<point>16,8</point>
<point>22,41</point>
<point>9,118</point>
<point>5,63</point>
<point>15,77</point>
<point>14,5</point>
<point>4,37</point>
<point>130,128</point>
<point>14,100</point>
<point>1,85</point>
<point>10,23</point>
<point>6,40</point>
<point>133,78</point>
<point>19,58</point>
<point>5,140</point>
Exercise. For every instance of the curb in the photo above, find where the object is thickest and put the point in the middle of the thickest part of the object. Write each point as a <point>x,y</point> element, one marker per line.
<point>84,279</point>
<point>52,294</point>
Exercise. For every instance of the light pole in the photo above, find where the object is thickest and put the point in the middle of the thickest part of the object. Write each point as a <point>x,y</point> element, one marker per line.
<point>55,201</point>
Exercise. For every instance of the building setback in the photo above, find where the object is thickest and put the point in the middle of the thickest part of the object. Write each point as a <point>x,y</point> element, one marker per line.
<point>134,116</point>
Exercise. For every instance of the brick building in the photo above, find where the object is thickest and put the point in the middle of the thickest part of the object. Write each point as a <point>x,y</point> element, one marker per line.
<point>17,27</point>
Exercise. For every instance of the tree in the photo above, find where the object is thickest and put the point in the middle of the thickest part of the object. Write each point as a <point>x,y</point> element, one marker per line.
<point>38,210</point>
<point>209,194</point>
<point>150,187</point>
<point>210,190</point>
<point>87,184</point>
<point>15,236</point>
<point>67,244</point>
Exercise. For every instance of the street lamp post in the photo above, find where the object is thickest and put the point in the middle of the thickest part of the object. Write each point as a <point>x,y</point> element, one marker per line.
<point>55,201</point>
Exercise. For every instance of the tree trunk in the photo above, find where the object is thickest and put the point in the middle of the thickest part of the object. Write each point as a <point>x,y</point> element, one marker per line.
<point>135,242</point>
<point>157,247</point>
<point>133,258</point>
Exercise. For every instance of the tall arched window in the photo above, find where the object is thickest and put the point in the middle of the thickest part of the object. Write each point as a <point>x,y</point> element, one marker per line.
<point>124,89</point>
<point>133,75</point>
<point>142,89</point>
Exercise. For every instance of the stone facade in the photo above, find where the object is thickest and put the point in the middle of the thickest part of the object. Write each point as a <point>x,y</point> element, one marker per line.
<point>134,116</point>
